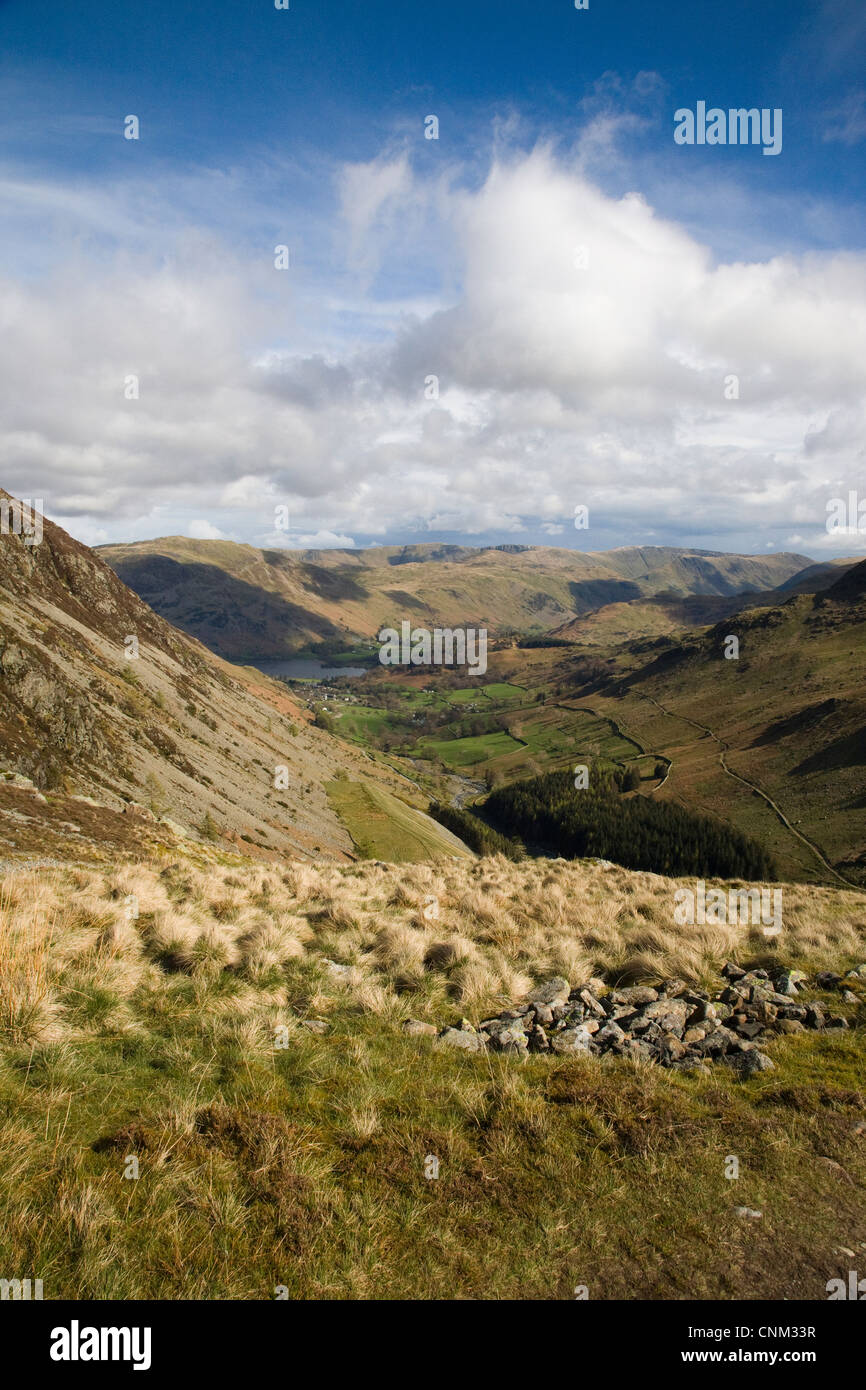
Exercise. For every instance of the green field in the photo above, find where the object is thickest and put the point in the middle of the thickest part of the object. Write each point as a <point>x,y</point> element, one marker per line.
<point>470,695</point>
<point>383,827</point>
<point>543,737</point>
<point>362,722</point>
<point>470,752</point>
<point>549,737</point>
<point>414,698</point>
<point>595,734</point>
<point>499,690</point>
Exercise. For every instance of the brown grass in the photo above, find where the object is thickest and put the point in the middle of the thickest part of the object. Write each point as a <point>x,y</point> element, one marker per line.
<point>78,947</point>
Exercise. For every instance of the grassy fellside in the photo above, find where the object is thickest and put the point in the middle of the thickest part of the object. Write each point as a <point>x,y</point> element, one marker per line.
<point>149,1003</point>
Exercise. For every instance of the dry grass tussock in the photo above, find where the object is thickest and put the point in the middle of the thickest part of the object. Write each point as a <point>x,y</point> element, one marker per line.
<point>84,952</point>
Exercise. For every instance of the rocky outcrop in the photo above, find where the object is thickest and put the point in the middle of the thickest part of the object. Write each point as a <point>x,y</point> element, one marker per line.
<point>670,1024</point>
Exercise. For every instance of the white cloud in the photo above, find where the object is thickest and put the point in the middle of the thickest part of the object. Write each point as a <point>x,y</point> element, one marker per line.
<point>603,385</point>
<point>203,531</point>
<point>325,540</point>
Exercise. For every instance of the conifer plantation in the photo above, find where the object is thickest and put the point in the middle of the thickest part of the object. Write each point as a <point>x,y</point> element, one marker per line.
<point>601,822</point>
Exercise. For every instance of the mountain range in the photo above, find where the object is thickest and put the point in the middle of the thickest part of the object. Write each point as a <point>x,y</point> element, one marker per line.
<point>248,604</point>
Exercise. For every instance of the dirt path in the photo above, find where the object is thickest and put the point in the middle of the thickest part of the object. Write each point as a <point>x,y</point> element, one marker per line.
<point>724,748</point>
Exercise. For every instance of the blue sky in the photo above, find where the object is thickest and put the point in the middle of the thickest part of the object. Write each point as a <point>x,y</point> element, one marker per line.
<point>449,258</point>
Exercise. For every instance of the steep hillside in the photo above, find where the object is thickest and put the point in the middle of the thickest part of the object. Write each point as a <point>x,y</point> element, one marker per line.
<point>667,612</point>
<point>819,576</point>
<point>103,750</point>
<point>774,740</point>
<point>247,604</point>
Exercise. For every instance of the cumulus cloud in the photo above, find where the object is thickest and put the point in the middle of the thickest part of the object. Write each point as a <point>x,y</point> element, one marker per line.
<point>551,345</point>
<point>324,540</point>
<point>203,531</point>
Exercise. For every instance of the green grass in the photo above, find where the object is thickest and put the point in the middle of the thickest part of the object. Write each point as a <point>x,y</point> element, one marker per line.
<point>383,827</point>
<point>499,690</point>
<point>550,738</point>
<point>470,695</point>
<point>470,752</point>
<point>363,723</point>
<point>415,698</point>
<point>306,1168</point>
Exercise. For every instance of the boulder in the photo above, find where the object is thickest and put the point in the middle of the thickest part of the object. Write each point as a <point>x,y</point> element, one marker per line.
<point>732,972</point>
<point>637,994</point>
<point>750,1063</point>
<point>787,981</point>
<point>456,1037</point>
<point>590,1002</point>
<point>553,991</point>
<point>415,1028</point>
<point>512,1040</point>
<point>609,1034</point>
<point>572,1040</point>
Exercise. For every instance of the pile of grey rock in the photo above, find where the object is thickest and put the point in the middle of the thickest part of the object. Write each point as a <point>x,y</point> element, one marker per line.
<point>670,1023</point>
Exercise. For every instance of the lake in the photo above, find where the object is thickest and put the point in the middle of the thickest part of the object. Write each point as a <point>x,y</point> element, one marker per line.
<point>299,669</point>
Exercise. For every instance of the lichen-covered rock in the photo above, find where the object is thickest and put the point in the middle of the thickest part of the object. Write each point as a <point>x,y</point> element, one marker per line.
<point>457,1037</point>
<point>512,1040</point>
<point>572,1040</point>
<point>553,991</point>
<point>637,994</point>
<point>750,1063</point>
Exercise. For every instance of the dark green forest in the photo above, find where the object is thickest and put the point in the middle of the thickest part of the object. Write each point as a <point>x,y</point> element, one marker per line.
<point>552,817</point>
<point>482,838</point>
